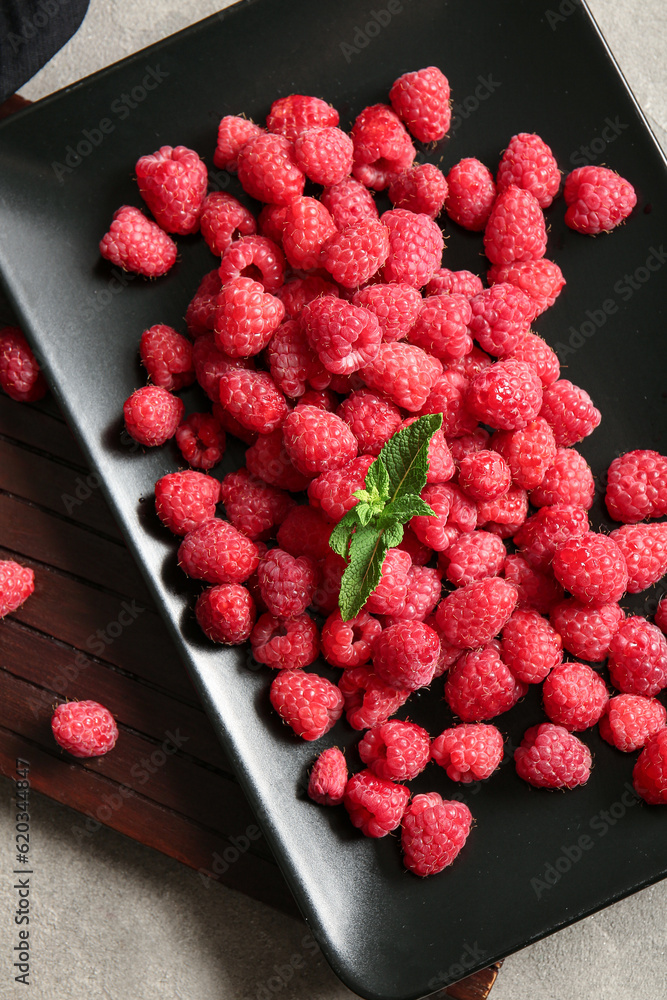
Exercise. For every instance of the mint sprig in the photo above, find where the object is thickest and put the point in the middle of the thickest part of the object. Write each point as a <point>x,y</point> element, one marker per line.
<point>390,499</point>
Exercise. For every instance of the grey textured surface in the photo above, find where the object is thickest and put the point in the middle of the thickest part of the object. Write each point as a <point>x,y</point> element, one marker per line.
<point>113,919</point>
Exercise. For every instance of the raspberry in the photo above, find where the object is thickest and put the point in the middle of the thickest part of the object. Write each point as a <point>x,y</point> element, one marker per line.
<point>529,163</point>
<point>184,500</point>
<point>536,590</point>
<point>480,686</point>
<point>382,147</point>
<point>433,834</point>
<point>542,280</point>
<point>292,361</point>
<point>348,644</point>
<point>530,646</point>
<point>172,182</point>
<point>375,805</point>
<point>468,752</point>
<point>396,751</point>
<point>310,704</point>
<point>332,491</point>
<point>152,415</point>
<point>231,425</point>
<point>291,116</point>
<point>20,376</point>
<point>84,728</point>
<point>434,531</point>
<point>200,314</point>
<point>449,282</point>
<point>471,194</point>
<point>574,696</point>
<point>345,337</point>
<point>201,440</point>
<point>286,582</point>
<point>548,529</point>
<point>305,532</point>
<point>226,613</point>
<point>501,317</point>
<point>424,590</point>
<point>569,480</point>
<point>328,778</point>
<point>167,357</point>
<point>660,616</point>
<point>441,328</point>
<point>570,412</point>
<point>536,352</point>
<point>649,776</point>
<point>529,452</point>
<point>507,395</point>
<point>586,632</point>
<point>354,254</point>
<point>216,552</point>
<point>422,188</point>
<point>473,557</point>
<point>468,444</point>
<point>253,506</point>
<point>233,133</point>
<point>515,229</point>
<point>251,256</point>
<point>629,721</point>
<point>406,373</point>
<point>418,552</point>
<point>246,317</point>
<point>592,568</point>
<point>484,475</point>
<point>307,228</point>
<point>271,222</point>
<point>317,441</point>
<point>440,462</point>
<point>638,658</point>
<point>285,645</point>
<point>268,459</point>
<point>644,547</point>
<point>472,615</point>
<point>550,757</point>
<point>210,362</point>
<point>224,219</point>
<point>324,153</point>
<point>391,593</point>
<point>447,396</point>
<point>267,170</point>
<point>505,515</point>
<point>17,583</point>
<point>368,700</point>
<point>253,399</point>
<point>598,199</point>
<point>637,486</point>
<point>395,305</point>
<point>421,100</point>
<point>297,292</point>
<point>405,654</point>
<point>138,245</point>
<point>349,202</point>
<point>415,247</point>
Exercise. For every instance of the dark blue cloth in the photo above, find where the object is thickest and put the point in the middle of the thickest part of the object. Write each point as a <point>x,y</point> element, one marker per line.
<point>31,32</point>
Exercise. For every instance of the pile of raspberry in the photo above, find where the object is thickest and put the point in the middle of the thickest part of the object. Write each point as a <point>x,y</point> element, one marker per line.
<point>324,328</point>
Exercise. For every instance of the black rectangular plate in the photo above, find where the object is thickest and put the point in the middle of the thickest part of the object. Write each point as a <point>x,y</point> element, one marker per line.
<point>67,164</point>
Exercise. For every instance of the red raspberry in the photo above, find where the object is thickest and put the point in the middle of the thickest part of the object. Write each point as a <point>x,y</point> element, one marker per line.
<point>249,254</point>
<point>649,776</point>
<point>449,282</point>
<point>484,475</point>
<point>172,182</point>
<point>501,317</point>
<point>310,704</point>
<point>441,327</point>
<point>637,486</point>
<point>226,613</point>
<point>368,700</point>
<point>382,147</point>
<point>324,153</point>
<point>210,362</point>
<point>317,441</point>
<point>396,307</point>
<point>586,632</point>
<point>529,452</point>
<point>536,590</point>
<point>529,163</point>
<point>435,531</point>
<point>406,373</point>
<point>421,100</point>
<point>286,582</point>
<point>644,547</point>
<point>152,415</point>
<point>505,515</point>
<point>415,247</point>
<point>167,357</point>
<point>468,752</point>
<point>231,425</point>
<point>441,466</point>
<point>138,245</point>
<point>536,352</point>
<point>507,395</point>
<point>84,728</point>
<point>201,440</point>
<point>530,647</point>
<point>480,686</point>
<point>184,500</point>
<point>550,757</point>
<point>471,194</point>
<point>390,595</point>
<point>638,658</point>
<point>20,376</point>
<point>515,229</point>
<point>267,170</point>
<point>548,529</point>
<point>328,778</point>
<point>305,532</point>
<point>271,222</point>
<point>216,552</point>
<point>200,313</point>
<point>468,444</point>
<point>285,645</point>
<point>574,696</point>
<point>472,615</point>
<point>434,832</point>
<point>254,507</point>
<point>569,480</point>
<point>297,292</point>
<point>473,557</point>
<point>224,219</point>
<point>660,616</point>
<point>372,419</point>
<point>570,412</point>
<point>424,590</point>
<point>293,362</point>
<point>253,399</point>
<point>345,337</point>
<point>592,568</point>
<point>268,459</point>
<point>462,512</point>
<point>542,280</point>
<point>405,654</point>
<point>349,202</point>
<point>629,721</point>
<point>290,116</point>
<point>17,583</point>
<point>418,552</point>
<point>396,751</point>
<point>471,364</point>
<point>348,644</point>
<point>233,133</point>
<point>332,491</point>
<point>421,189</point>
<point>447,396</point>
<point>354,254</point>
<point>598,199</point>
<point>246,317</point>
<point>307,228</point>
<point>376,806</point>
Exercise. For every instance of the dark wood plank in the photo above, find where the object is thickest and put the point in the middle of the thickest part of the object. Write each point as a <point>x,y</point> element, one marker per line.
<point>26,424</point>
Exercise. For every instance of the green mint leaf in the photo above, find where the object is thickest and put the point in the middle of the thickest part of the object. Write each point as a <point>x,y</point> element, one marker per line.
<point>363,573</point>
<point>377,478</point>
<point>405,456</point>
<point>402,510</point>
<point>364,512</point>
<point>339,539</point>
<point>393,535</point>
